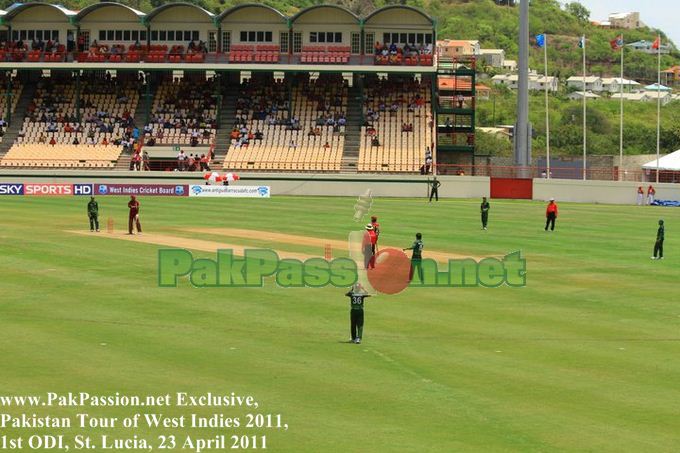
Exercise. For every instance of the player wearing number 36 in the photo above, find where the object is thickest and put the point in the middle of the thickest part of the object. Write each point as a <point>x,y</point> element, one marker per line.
<point>356,315</point>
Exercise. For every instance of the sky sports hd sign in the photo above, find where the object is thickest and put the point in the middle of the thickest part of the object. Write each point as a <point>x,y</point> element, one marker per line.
<point>162,190</point>
<point>11,189</point>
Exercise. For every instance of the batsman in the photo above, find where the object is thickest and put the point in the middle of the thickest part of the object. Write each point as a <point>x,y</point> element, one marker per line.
<point>133,205</point>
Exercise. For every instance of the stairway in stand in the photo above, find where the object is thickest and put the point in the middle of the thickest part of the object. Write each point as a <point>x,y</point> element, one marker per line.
<point>350,154</point>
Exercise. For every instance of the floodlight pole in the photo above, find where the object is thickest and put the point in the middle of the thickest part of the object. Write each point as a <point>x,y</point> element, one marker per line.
<point>522,132</point>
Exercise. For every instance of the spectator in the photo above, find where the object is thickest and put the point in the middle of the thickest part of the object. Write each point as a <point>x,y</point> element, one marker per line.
<point>181,160</point>
<point>204,163</point>
<point>146,160</point>
<point>53,141</point>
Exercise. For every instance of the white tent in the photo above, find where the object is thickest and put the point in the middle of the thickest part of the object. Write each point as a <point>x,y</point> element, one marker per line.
<point>669,162</point>
<point>656,87</point>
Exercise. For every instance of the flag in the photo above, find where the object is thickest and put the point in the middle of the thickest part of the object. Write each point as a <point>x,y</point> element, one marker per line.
<point>582,42</point>
<point>540,40</point>
<point>657,43</point>
<point>617,43</point>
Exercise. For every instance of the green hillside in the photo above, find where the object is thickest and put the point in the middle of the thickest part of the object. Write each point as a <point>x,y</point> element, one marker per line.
<point>566,117</point>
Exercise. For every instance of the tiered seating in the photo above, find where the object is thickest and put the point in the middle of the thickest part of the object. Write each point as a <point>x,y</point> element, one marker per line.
<point>17,87</point>
<point>393,54</point>
<point>156,53</point>
<point>396,102</point>
<point>287,144</point>
<point>184,111</point>
<point>50,131</point>
<point>263,53</point>
<point>325,54</point>
<point>61,156</point>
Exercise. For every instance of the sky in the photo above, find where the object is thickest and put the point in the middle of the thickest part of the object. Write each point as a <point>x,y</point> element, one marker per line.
<point>662,14</point>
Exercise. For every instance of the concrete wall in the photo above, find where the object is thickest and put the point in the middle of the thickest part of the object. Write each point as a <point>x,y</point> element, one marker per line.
<point>42,17</point>
<point>254,19</point>
<point>111,17</point>
<point>309,185</point>
<point>607,192</point>
<point>183,18</point>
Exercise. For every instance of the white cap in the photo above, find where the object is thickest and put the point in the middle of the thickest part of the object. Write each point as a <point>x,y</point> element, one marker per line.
<point>552,198</point>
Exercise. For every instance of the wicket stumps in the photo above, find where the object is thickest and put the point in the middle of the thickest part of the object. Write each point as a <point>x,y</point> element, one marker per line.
<point>109,225</point>
<point>328,252</point>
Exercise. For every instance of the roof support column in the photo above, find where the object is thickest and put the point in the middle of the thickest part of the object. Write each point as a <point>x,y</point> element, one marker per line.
<point>78,92</point>
<point>8,99</point>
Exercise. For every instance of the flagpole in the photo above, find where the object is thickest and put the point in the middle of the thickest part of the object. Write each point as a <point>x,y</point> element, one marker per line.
<point>547,111</point>
<point>584,108</point>
<point>658,108</point>
<point>621,110</point>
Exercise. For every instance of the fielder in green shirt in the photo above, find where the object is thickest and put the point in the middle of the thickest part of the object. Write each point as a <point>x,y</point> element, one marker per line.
<point>417,257</point>
<point>484,209</point>
<point>93,214</point>
<point>658,245</point>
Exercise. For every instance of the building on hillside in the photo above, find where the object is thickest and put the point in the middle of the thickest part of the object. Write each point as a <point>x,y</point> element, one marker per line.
<point>593,83</point>
<point>671,76</point>
<point>644,96</point>
<point>457,48</point>
<point>613,84</point>
<point>498,132</point>
<point>492,57</point>
<point>536,82</point>
<point>629,21</point>
<point>483,92</point>
<point>553,83</point>
<point>578,95</point>
<point>646,47</point>
<point>510,65</point>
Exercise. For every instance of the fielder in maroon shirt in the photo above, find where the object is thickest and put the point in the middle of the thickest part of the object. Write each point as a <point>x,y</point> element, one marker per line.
<point>133,204</point>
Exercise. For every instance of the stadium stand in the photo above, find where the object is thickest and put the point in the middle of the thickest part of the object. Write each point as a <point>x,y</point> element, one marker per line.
<point>185,112</point>
<point>14,94</point>
<point>51,129</point>
<point>61,156</point>
<point>305,134</point>
<point>261,76</point>
<point>398,125</point>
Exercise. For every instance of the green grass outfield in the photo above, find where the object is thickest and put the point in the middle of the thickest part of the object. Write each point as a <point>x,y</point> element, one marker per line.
<point>585,358</point>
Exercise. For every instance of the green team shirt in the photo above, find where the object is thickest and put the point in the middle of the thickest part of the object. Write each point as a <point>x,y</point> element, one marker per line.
<point>357,300</point>
<point>661,233</point>
<point>417,248</point>
<point>93,208</point>
<point>485,207</point>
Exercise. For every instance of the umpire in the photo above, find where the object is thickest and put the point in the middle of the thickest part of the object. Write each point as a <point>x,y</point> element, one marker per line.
<point>93,214</point>
<point>357,295</point>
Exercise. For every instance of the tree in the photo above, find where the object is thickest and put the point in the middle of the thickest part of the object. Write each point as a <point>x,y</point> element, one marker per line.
<point>577,10</point>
